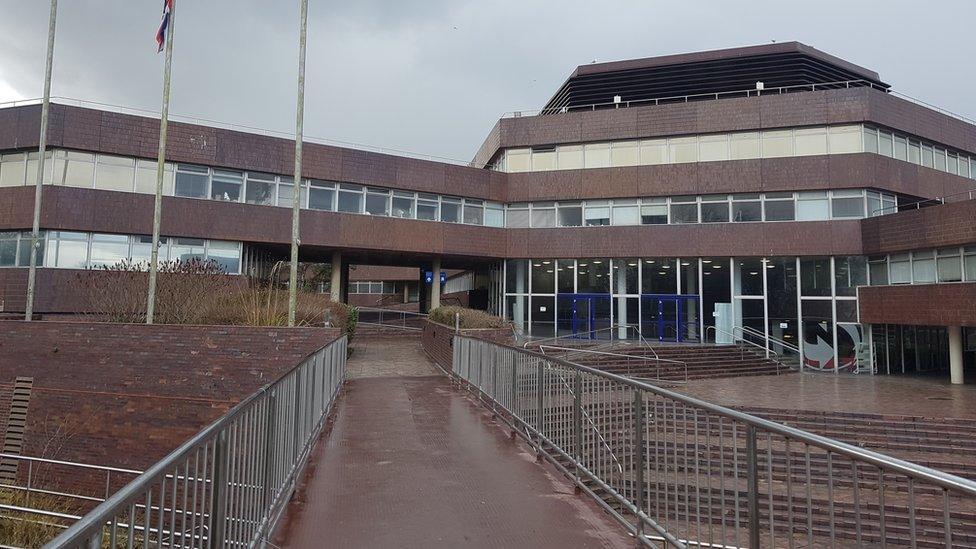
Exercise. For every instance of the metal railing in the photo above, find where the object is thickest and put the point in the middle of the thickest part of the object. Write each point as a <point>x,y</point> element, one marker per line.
<point>647,368</point>
<point>228,485</point>
<point>742,342</point>
<point>919,204</point>
<point>392,318</point>
<point>612,335</point>
<point>699,474</point>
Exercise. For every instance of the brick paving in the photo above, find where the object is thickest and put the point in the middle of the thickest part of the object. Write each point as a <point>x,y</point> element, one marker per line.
<point>388,357</point>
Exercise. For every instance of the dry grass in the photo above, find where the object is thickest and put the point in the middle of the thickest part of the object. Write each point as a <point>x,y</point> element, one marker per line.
<point>24,529</point>
<point>470,318</point>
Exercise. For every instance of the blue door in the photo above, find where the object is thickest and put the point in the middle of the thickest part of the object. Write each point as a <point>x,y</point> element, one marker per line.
<point>668,317</point>
<point>584,316</point>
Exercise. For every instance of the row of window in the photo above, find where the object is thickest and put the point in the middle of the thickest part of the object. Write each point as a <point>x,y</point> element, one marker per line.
<point>924,267</point>
<point>719,208</point>
<point>806,141</point>
<point>74,250</point>
<point>370,287</point>
<point>114,173</point>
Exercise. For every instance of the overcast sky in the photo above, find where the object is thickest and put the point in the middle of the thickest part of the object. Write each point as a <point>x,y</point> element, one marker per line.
<point>433,76</point>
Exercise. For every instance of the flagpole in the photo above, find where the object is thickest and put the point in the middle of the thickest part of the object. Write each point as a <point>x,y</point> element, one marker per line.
<point>42,149</point>
<point>168,33</point>
<point>297,188</point>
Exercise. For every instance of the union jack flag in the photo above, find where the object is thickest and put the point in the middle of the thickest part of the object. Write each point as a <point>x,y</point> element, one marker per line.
<point>161,33</point>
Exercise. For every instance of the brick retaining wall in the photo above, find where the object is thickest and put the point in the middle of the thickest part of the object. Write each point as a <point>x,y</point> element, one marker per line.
<point>438,340</point>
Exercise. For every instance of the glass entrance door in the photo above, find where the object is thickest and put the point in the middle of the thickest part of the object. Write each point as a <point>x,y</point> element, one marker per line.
<point>585,316</point>
<point>668,317</point>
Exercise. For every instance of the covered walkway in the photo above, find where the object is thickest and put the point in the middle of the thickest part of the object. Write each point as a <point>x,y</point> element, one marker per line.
<point>411,462</point>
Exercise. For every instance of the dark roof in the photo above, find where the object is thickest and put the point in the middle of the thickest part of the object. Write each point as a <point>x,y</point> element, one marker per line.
<point>709,72</point>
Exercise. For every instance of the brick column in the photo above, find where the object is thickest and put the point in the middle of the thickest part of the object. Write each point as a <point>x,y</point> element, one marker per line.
<point>336,280</point>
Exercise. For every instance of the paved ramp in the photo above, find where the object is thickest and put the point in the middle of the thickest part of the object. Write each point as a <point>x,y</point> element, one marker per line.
<point>412,462</point>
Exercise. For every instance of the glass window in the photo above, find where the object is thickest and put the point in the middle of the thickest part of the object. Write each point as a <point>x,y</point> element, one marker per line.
<point>847,204</point>
<point>428,207</point>
<point>626,282</point>
<point>593,276</point>
<point>350,198</point>
<point>566,277</point>
<point>403,204</point>
<point>885,144</point>
<point>900,269</point>
<point>969,262</point>
<point>654,211</point>
<point>849,273</point>
<point>715,209</point>
<point>12,169</point>
<point>474,212</point>
<point>226,185</point>
<point>777,143</point>
<point>949,265</point>
<point>543,159</point>
<point>874,203</point>
<point>114,173</point>
<point>746,207</point>
<point>901,147</point>
<point>108,250</point>
<point>939,155</point>
<point>23,254</point>
<point>914,151</point>
<point>450,210</point>
<point>146,177</point>
<point>8,249</point>
<point>67,250</point>
<point>810,141</point>
<point>870,139</point>
<point>812,206</point>
<point>659,276</point>
<point>654,151</point>
<point>286,193</point>
<point>543,276</point>
<point>569,157</point>
<point>964,166</point>
<point>684,209</point>
<point>844,139</point>
<point>260,189</point>
<point>626,212</point>
<point>748,276</point>
<point>923,267</point>
<point>570,214</point>
<point>597,213</point>
<point>744,145</point>
<point>596,155</point>
<point>191,181</point>
<point>928,157</point>
<point>878,265</point>
<point>779,207</point>
<point>713,147</point>
<point>141,250</point>
<point>683,149</point>
<point>79,169</point>
<point>544,214</point>
<point>377,201</point>
<point>517,276</point>
<point>321,195</point>
<point>227,255</point>
<point>517,216</point>
<point>953,164</point>
<point>624,153</point>
<point>518,160</point>
<point>51,162</point>
<point>494,214</point>
<point>815,276</point>
<point>187,249</point>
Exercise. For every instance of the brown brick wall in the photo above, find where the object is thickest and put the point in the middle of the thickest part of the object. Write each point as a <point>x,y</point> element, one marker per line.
<point>919,304</point>
<point>438,341</point>
<point>951,224</point>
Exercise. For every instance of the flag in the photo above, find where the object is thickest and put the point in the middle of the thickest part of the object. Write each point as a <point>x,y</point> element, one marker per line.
<point>161,33</point>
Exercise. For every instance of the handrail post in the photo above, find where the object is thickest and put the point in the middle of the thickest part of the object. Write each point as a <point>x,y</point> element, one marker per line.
<point>541,403</point>
<point>270,434</point>
<point>639,458</point>
<point>578,424</point>
<point>752,485</point>
<point>219,519</point>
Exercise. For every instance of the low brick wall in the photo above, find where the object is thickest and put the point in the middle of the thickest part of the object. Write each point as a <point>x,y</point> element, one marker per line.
<point>438,340</point>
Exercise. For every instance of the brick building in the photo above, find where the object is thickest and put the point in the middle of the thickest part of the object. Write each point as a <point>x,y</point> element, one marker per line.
<point>771,193</point>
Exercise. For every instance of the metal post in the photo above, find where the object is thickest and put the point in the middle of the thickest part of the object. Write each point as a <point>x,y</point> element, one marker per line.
<point>578,424</point>
<point>219,495</point>
<point>297,188</point>
<point>160,166</point>
<point>639,458</point>
<point>42,149</point>
<point>752,486</point>
<point>541,403</point>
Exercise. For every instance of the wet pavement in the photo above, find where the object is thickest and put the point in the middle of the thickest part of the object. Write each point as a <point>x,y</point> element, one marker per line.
<point>388,357</point>
<point>412,462</point>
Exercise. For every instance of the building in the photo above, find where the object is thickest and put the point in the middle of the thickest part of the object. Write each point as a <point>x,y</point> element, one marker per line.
<point>772,193</point>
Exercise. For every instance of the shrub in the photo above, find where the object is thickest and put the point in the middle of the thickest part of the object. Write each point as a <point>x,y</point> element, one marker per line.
<point>470,318</point>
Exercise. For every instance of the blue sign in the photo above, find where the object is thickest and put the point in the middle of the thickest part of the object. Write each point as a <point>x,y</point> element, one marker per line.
<point>429,277</point>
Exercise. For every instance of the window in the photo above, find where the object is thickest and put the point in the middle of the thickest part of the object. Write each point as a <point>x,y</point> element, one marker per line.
<point>260,189</point>
<point>626,212</point>
<point>748,276</point>
<point>377,201</point>
<point>543,159</point>
<point>321,195</point>
<point>810,141</point>
<point>969,262</point>
<point>544,214</point>
<point>494,214</point>
<point>597,213</point>
<point>885,144</point>
<point>847,204</point>
<point>953,163</point>
<point>624,153</point>
<point>450,210</point>
<point>654,151</point>
<point>901,147</point>
<point>146,177</point>
<point>226,185</point>
<point>928,156</point>
<point>844,139</point>
<point>746,207</point>
<point>713,147</point>
<point>23,254</point>
<point>66,250</point>
<point>683,149</point>
<point>350,199</point>
<point>744,145</point>
<point>108,250</point>
<point>939,156</point>
<point>191,181</point>
<point>815,276</point>
<point>517,215</point>
<point>923,267</point>
<point>870,139</point>
<point>227,255</point>
<point>849,273</point>
<point>114,173</point>
<point>518,160</point>
<point>569,157</point>
<point>570,214</point>
<point>777,143</point>
<point>812,206</point>
<point>187,249</point>
<point>286,193</point>
<point>684,209</point>
<point>474,212</point>
<point>715,209</point>
<point>874,203</point>
<point>79,169</point>
<point>964,166</point>
<point>141,250</point>
<point>8,249</point>
<point>779,206</point>
<point>403,204</point>
<point>654,211</point>
<point>12,169</point>
<point>900,269</point>
<point>596,155</point>
<point>427,207</point>
<point>878,266</point>
<point>949,265</point>
<point>914,151</point>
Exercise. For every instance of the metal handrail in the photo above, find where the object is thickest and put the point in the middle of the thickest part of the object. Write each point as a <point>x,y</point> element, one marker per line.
<point>766,350</point>
<point>399,319</point>
<point>658,424</point>
<point>939,200</point>
<point>243,466</point>
<point>599,433</point>
<point>571,350</point>
<point>589,334</point>
<point>757,333</point>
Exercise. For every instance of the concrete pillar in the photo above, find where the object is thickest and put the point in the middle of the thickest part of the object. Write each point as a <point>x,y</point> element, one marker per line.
<point>336,280</point>
<point>955,355</point>
<point>621,287</point>
<point>406,292</point>
<point>435,283</point>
